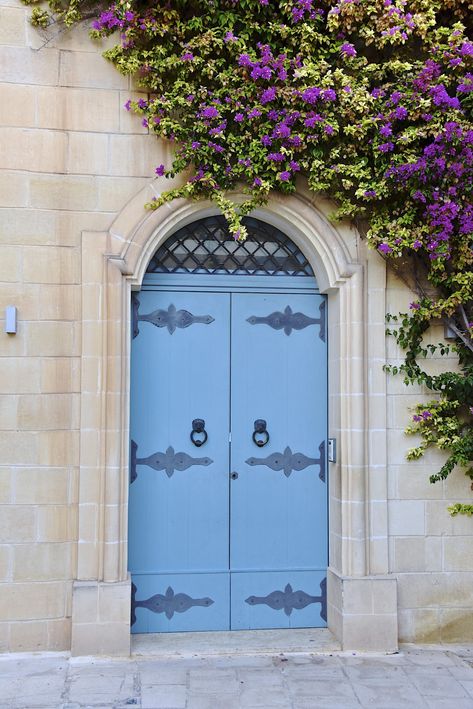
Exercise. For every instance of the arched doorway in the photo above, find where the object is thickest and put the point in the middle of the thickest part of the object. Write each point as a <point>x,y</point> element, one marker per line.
<point>228,486</point>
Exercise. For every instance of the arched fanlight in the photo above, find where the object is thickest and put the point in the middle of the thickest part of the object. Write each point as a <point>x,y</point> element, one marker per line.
<point>206,246</point>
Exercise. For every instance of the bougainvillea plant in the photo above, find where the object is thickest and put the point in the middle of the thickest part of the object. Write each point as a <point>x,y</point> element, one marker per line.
<point>370,100</point>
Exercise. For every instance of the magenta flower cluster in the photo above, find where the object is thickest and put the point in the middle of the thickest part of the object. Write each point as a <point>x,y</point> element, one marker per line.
<point>285,116</point>
<point>441,181</point>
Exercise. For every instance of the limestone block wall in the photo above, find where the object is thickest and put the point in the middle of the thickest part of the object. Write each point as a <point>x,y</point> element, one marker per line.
<point>70,158</point>
<point>430,552</point>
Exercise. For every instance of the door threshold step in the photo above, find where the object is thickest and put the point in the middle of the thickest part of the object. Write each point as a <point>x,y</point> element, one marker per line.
<point>318,641</point>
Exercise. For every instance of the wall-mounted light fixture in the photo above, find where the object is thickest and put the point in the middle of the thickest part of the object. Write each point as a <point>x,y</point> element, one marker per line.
<point>10,319</point>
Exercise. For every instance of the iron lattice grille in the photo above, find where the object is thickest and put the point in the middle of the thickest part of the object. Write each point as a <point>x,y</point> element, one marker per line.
<point>206,246</point>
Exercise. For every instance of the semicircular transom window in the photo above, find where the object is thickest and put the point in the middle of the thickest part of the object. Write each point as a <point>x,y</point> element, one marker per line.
<point>206,246</point>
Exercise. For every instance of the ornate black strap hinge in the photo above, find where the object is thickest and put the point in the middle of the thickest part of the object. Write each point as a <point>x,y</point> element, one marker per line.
<point>289,600</point>
<point>289,461</point>
<point>168,461</point>
<point>167,603</point>
<point>170,318</point>
<point>289,321</point>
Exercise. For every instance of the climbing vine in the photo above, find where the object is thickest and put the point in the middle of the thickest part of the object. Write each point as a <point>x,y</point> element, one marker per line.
<point>370,100</point>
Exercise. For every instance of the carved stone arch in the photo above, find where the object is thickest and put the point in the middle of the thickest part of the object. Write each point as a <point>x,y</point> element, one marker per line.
<point>113,264</point>
<point>304,219</point>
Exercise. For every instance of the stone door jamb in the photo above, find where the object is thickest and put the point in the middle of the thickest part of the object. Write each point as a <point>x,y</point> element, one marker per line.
<point>113,264</point>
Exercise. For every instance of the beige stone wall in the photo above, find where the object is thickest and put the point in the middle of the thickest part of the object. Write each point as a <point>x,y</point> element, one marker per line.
<point>70,159</point>
<point>430,552</point>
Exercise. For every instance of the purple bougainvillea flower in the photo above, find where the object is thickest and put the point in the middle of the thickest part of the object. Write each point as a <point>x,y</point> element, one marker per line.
<point>310,121</point>
<point>414,306</point>
<point>329,95</point>
<point>384,248</point>
<point>187,57</point>
<point>230,37</point>
<point>257,182</point>
<point>295,167</point>
<point>378,93</point>
<point>348,50</point>
<point>239,117</point>
<point>276,157</point>
<point>142,103</point>
<point>282,130</point>
<point>386,147</point>
<point>284,176</point>
<point>369,193</point>
<point>127,105</point>
<point>395,97</point>
<point>209,112</point>
<point>216,147</point>
<point>268,95</point>
<point>311,95</point>
<point>400,113</point>
<point>195,145</point>
<point>466,50</point>
<point>244,60</point>
<point>160,170</point>
<point>467,84</point>
<point>441,97</point>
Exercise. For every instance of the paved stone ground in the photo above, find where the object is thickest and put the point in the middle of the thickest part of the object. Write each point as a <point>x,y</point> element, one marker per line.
<point>435,677</point>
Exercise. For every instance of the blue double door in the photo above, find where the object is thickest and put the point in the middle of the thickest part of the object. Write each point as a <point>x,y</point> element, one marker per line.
<point>228,492</point>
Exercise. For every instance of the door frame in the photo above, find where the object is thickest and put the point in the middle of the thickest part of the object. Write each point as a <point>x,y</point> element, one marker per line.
<point>362,604</point>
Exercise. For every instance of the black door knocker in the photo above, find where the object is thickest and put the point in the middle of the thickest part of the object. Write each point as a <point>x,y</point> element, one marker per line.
<point>198,429</point>
<point>260,430</point>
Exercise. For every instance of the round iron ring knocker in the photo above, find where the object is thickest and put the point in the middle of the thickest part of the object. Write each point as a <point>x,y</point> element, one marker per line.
<point>260,430</point>
<point>198,429</point>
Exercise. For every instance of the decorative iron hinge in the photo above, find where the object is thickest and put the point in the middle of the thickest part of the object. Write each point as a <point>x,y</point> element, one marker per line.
<point>289,321</point>
<point>289,461</point>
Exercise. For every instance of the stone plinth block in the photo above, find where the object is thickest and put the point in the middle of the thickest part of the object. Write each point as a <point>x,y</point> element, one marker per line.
<point>362,612</point>
<point>101,618</point>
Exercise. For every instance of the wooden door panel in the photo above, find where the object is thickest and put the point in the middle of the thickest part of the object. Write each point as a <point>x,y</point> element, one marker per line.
<point>279,500</point>
<point>179,492</point>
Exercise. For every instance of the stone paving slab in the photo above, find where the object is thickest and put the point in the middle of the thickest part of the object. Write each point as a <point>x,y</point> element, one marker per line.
<point>431,677</point>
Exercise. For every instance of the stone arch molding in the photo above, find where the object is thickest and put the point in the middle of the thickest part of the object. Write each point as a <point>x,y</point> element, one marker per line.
<point>113,264</point>
<point>298,216</point>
